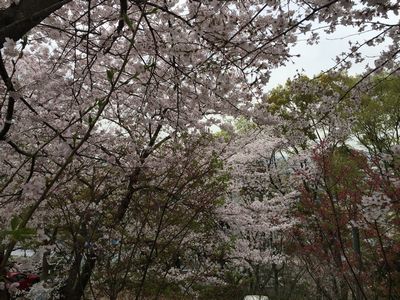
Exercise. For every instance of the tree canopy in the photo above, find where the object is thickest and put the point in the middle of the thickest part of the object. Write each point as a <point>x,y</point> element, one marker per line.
<point>111,174</point>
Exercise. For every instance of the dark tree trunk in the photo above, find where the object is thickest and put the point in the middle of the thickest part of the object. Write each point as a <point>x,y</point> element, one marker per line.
<point>3,272</point>
<point>276,279</point>
<point>78,278</point>
<point>17,20</point>
<point>357,249</point>
<point>4,295</point>
<point>45,266</point>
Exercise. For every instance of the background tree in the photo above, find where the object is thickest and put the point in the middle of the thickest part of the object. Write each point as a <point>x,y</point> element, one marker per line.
<point>346,206</point>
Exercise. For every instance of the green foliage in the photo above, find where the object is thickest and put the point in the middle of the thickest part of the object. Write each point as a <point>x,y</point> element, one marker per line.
<point>378,121</point>
<point>344,163</point>
<point>110,75</point>
<point>16,232</point>
<point>299,97</point>
<point>128,21</point>
<point>223,134</point>
<point>244,125</point>
<point>334,198</point>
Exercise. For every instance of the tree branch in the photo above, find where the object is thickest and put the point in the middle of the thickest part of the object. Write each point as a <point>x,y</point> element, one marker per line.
<point>17,20</point>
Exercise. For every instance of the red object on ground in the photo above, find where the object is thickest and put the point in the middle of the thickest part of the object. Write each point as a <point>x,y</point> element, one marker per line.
<point>24,280</point>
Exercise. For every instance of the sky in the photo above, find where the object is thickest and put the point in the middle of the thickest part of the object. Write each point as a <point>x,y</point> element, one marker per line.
<point>320,57</point>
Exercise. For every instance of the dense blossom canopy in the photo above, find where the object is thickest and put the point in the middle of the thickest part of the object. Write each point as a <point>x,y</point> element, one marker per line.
<point>105,116</point>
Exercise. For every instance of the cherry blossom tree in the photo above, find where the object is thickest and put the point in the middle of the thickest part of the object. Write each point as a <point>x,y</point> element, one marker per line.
<point>256,217</point>
<point>93,93</point>
<point>172,212</point>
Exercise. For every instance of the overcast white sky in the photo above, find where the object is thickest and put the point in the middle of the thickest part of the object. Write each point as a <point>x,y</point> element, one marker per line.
<point>316,58</point>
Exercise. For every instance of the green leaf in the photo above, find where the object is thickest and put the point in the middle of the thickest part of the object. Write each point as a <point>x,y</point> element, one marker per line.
<point>149,66</point>
<point>90,119</point>
<point>100,103</point>
<point>19,234</point>
<point>127,21</point>
<point>22,233</point>
<point>15,222</point>
<point>153,11</point>
<point>110,75</point>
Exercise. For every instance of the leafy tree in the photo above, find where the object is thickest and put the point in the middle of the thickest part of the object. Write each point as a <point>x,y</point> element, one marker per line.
<point>348,203</point>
